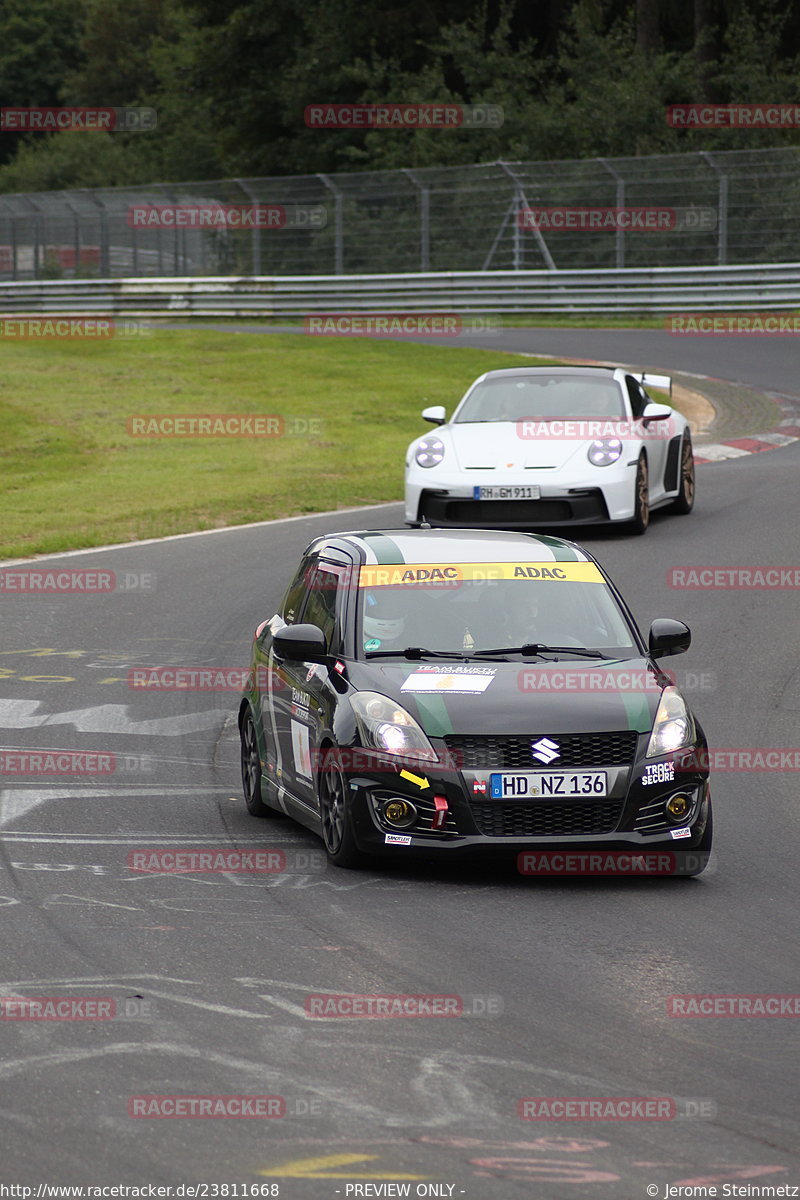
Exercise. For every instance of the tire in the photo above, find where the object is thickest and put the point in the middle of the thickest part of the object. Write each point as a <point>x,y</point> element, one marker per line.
<point>684,501</point>
<point>251,768</point>
<point>641,498</point>
<point>337,833</point>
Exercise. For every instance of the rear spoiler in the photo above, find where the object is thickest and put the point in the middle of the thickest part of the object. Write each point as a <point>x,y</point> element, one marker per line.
<point>662,382</point>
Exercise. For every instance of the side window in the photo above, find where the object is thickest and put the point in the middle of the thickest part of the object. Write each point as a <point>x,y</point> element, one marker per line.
<point>638,396</point>
<point>293,600</point>
<point>323,588</point>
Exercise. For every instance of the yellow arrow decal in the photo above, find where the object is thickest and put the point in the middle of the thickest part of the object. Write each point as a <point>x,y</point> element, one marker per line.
<point>315,1168</point>
<point>419,780</point>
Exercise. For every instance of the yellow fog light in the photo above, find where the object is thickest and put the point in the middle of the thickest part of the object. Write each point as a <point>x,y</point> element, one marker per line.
<point>400,813</point>
<point>678,806</point>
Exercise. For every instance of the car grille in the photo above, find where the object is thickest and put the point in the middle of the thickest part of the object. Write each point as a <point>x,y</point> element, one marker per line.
<point>545,820</point>
<point>479,752</point>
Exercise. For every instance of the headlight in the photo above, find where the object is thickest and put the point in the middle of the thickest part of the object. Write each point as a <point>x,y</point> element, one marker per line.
<point>429,452</point>
<point>673,728</point>
<point>387,726</point>
<point>604,451</point>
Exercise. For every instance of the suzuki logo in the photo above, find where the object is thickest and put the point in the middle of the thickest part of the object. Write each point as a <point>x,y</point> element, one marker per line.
<point>545,750</point>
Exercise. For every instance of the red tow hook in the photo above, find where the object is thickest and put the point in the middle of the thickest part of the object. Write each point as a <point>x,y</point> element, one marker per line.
<point>440,816</point>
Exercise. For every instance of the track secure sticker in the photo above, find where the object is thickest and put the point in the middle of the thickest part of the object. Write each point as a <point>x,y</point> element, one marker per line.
<point>458,681</point>
<point>413,574</point>
<point>680,833</point>
<point>398,839</point>
<point>658,773</point>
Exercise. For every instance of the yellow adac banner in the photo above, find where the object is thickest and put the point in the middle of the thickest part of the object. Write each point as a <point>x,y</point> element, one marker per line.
<point>400,574</point>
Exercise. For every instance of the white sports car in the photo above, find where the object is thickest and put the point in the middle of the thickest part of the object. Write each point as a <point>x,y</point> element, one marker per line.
<point>532,446</point>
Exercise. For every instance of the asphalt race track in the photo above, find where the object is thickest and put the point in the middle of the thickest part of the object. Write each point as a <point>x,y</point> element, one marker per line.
<point>210,972</point>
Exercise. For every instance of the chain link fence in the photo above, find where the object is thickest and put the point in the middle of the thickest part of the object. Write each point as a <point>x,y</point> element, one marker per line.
<point>728,208</point>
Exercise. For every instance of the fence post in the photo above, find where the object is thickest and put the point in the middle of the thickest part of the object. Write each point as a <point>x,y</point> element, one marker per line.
<point>338,227</point>
<point>620,203</point>
<point>424,220</point>
<point>722,209</point>
<point>518,243</point>
<point>256,238</point>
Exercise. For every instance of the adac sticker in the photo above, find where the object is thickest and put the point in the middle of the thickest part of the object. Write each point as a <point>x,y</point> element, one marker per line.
<point>412,574</point>
<point>458,681</point>
<point>658,773</point>
<point>680,833</point>
<point>398,839</point>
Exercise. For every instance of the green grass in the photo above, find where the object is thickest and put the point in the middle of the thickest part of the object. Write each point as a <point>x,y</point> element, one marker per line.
<point>71,476</point>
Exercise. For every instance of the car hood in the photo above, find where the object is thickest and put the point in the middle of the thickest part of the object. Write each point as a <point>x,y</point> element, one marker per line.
<point>497,445</point>
<point>569,696</point>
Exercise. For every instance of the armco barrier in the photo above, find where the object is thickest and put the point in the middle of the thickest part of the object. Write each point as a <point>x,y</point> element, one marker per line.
<point>658,290</point>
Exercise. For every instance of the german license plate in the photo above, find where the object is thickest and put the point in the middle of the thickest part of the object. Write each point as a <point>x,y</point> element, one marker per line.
<point>528,491</point>
<point>540,785</point>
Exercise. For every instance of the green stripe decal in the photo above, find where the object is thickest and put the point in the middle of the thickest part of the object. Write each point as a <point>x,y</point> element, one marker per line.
<point>434,717</point>
<point>638,712</point>
<point>561,553</point>
<point>385,549</point>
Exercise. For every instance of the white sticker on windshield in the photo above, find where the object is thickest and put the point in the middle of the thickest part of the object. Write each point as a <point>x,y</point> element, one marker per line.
<point>458,681</point>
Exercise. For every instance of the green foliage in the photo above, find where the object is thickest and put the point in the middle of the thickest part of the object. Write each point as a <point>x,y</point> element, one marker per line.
<point>231,79</point>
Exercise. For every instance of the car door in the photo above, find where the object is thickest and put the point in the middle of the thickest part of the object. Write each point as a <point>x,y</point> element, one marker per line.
<point>656,437</point>
<point>303,710</point>
<point>272,683</point>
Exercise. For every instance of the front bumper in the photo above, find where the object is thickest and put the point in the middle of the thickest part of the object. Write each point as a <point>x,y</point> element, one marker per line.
<point>605,495</point>
<point>630,819</point>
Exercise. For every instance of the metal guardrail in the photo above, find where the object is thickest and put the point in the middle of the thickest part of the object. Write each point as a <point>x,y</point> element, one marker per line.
<point>658,290</point>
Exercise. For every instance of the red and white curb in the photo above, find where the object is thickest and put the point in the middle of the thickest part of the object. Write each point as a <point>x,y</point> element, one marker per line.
<point>784,433</point>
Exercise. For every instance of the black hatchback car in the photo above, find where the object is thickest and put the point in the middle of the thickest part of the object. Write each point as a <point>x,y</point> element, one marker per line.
<point>456,691</point>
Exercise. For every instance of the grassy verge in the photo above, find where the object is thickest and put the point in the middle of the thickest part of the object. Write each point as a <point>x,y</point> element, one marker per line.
<point>71,476</point>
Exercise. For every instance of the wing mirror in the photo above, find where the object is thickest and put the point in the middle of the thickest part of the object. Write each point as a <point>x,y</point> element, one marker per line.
<point>300,643</point>
<point>435,414</point>
<point>668,637</point>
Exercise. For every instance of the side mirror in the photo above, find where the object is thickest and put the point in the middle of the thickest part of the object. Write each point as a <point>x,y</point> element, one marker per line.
<point>435,414</point>
<point>300,643</point>
<point>656,412</point>
<point>668,637</point>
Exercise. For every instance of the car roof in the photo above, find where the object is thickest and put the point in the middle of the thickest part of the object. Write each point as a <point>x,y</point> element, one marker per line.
<point>397,546</point>
<point>604,372</point>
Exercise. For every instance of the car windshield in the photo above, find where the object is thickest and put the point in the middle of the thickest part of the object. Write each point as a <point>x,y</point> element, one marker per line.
<point>469,607</point>
<point>523,397</point>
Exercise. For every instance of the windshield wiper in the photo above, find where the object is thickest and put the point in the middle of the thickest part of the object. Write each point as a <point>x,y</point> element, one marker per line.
<point>413,653</point>
<point>536,648</point>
